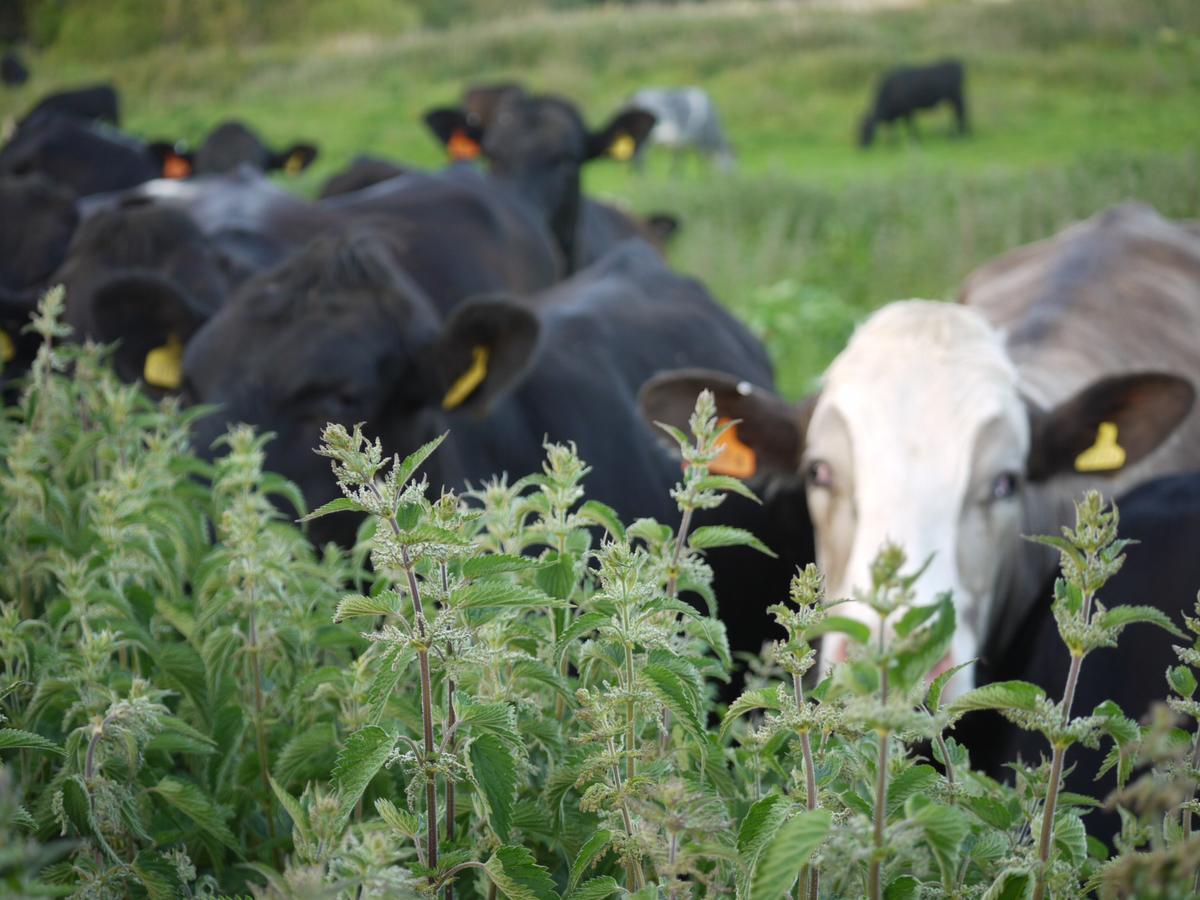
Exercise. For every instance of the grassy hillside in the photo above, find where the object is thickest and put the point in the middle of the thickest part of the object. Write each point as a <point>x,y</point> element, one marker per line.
<point>1076,104</point>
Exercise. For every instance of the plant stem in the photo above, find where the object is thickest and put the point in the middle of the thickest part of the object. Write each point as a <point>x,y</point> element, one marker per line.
<point>260,733</point>
<point>1187,815</point>
<point>635,879</point>
<point>809,876</point>
<point>673,578</point>
<point>941,742</point>
<point>874,888</point>
<point>451,720</point>
<point>431,816</point>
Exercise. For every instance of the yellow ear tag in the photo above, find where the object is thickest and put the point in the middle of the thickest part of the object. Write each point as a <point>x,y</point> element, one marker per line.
<point>736,459</point>
<point>295,163</point>
<point>1103,456</point>
<point>7,348</point>
<point>468,380</point>
<point>164,365</point>
<point>623,147</point>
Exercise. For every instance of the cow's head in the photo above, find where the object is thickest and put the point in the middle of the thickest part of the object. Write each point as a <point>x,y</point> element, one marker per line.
<point>338,333</point>
<point>144,276</point>
<point>232,144</point>
<point>920,436</point>
<point>540,144</point>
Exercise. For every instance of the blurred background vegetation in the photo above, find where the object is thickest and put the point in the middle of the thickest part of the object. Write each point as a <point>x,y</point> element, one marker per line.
<point>1075,105</point>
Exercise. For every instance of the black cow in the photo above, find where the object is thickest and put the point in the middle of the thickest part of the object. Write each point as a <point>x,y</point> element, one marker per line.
<point>338,333</point>
<point>87,157</point>
<point>538,144</point>
<point>233,144</point>
<point>362,172</point>
<point>12,70</point>
<point>1163,570</point>
<point>94,103</point>
<point>37,219</point>
<point>903,91</point>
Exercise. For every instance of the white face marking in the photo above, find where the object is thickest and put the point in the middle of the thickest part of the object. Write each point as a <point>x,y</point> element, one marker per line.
<point>918,427</point>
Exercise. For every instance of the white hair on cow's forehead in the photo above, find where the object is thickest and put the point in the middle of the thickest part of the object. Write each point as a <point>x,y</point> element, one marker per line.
<point>929,330</point>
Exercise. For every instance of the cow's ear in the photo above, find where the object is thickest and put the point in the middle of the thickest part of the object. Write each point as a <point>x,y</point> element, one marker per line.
<point>1111,424</point>
<point>294,160</point>
<point>622,136</point>
<point>171,160</point>
<point>663,227</point>
<point>769,428</point>
<point>152,320</point>
<point>486,347</point>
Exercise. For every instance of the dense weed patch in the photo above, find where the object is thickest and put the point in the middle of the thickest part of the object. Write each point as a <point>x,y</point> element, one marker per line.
<point>511,698</point>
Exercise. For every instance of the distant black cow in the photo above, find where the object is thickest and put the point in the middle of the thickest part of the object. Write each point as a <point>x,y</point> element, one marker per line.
<point>94,103</point>
<point>12,70</point>
<point>339,334</point>
<point>538,144</point>
<point>904,91</point>
<point>87,157</point>
<point>37,219</point>
<point>363,171</point>
<point>232,144</point>
<point>1162,571</point>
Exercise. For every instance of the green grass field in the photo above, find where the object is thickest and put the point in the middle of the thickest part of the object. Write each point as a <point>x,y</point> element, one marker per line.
<point>1076,104</point>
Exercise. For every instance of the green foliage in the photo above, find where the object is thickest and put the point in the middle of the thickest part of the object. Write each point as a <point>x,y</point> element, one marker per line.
<point>521,701</point>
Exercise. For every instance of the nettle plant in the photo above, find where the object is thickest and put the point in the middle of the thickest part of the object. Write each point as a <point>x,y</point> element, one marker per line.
<point>514,699</point>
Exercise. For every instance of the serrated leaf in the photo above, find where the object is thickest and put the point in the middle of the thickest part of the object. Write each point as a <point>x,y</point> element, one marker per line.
<point>758,827</point>
<point>787,852</point>
<point>183,669</point>
<point>595,889</point>
<point>859,632</point>
<point>517,875</point>
<point>495,594</point>
<point>913,780</point>
<point>16,739</point>
<point>495,770</point>
<point>189,799</point>
<point>760,698</point>
<point>77,805</point>
<point>556,577</point>
<point>709,536</point>
<point>999,695</point>
<point>363,756</point>
<point>591,850</point>
<point>413,461</point>
<point>341,504</point>
<point>933,697</point>
<point>293,808</point>
<point>402,820</point>
<point>715,637</point>
<point>596,513</point>
<point>677,696</point>
<point>496,564</point>
<point>944,828</point>
<point>584,624</point>
<point>1121,616</point>
<point>497,719</point>
<point>1012,884</point>
<point>353,605</point>
<point>307,756</point>
<point>902,887</point>
<point>158,875</point>
<point>727,483</point>
<point>387,674</point>
<point>1070,837</point>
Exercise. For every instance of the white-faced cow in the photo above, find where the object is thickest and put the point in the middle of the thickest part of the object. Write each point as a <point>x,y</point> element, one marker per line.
<point>937,430</point>
<point>685,119</point>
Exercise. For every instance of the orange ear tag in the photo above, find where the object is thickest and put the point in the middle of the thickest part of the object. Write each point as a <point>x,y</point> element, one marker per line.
<point>175,166</point>
<point>736,459</point>
<point>461,146</point>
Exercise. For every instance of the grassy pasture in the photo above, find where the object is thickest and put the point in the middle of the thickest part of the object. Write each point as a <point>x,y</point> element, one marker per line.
<point>1075,104</point>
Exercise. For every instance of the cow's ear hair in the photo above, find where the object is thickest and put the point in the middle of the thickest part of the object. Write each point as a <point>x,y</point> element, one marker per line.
<point>151,319</point>
<point>622,136</point>
<point>294,159</point>
<point>171,160</point>
<point>770,426</point>
<point>485,349</point>
<point>445,121</point>
<point>1110,424</point>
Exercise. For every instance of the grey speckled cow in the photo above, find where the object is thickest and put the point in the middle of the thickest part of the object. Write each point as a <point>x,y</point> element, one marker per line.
<point>686,118</point>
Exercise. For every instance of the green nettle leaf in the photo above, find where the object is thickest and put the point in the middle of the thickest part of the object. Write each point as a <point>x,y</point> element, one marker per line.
<point>497,564</point>
<point>586,623</point>
<point>496,594</point>
<point>78,805</point>
<point>1182,681</point>
<point>402,820</point>
<point>785,854</point>
<point>708,536</point>
<point>760,698</point>
<point>596,513</point>
<point>413,461</point>
<point>292,806</point>
<point>676,696</point>
<point>1121,616</point>
<point>495,770</point>
<point>341,504</point>
<point>762,821</point>
<point>496,719</point>
<point>591,850</point>
<point>518,876</point>
<point>189,799</point>
<point>183,669</point>
<point>913,780</point>
<point>596,889</point>
<point>16,739</point>
<point>1013,884</point>
<point>556,577</point>
<point>933,697</point>
<point>903,887</point>
<point>999,695</point>
<point>726,483</point>
<point>363,756</point>
<point>944,828</point>
<point>353,605</point>
<point>859,632</point>
<point>1070,837</point>
<point>387,675</point>
<point>158,875</point>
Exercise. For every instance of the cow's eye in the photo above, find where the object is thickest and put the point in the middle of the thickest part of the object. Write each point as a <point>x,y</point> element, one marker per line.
<point>819,474</point>
<point>1004,486</point>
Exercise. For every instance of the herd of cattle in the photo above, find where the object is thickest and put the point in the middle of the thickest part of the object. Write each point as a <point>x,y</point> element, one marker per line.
<point>494,300</point>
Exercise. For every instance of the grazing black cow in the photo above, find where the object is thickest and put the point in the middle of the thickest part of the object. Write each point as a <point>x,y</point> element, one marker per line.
<point>232,144</point>
<point>538,144</point>
<point>338,333</point>
<point>903,91</point>
<point>12,70</point>
<point>85,156</point>
<point>1163,570</point>
<point>94,103</point>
